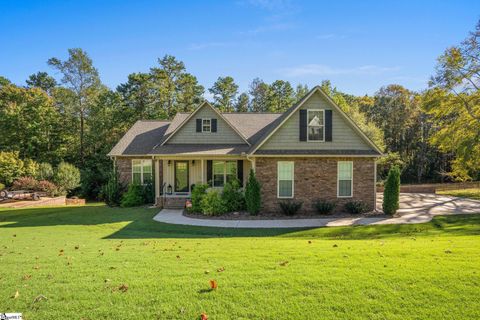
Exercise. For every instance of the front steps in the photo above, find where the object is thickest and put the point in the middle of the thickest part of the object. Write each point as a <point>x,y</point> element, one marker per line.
<point>173,202</point>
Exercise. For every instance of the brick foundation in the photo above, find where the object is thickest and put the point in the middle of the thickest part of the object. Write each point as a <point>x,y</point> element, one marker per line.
<point>316,178</point>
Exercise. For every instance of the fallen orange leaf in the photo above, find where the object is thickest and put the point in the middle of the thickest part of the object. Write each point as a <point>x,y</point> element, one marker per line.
<point>203,316</point>
<point>213,284</point>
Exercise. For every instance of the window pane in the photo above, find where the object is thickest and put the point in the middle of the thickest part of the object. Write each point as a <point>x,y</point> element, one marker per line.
<point>231,170</point>
<point>345,170</point>
<point>147,177</point>
<point>345,188</point>
<point>285,188</point>
<point>315,133</point>
<point>137,166</point>
<point>206,125</point>
<point>285,170</point>
<point>147,166</point>
<point>315,118</point>
<point>218,173</point>
<point>137,178</point>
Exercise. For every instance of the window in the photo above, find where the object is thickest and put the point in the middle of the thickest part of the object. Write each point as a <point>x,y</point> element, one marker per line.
<point>285,179</point>
<point>206,125</point>
<point>141,171</point>
<point>316,125</point>
<point>223,171</point>
<point>345,178</point>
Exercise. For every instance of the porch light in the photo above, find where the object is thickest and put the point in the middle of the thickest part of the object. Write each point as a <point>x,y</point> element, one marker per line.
<point>169,189</point>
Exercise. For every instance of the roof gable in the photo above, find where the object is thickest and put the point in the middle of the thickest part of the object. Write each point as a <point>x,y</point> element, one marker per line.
<point>358,137</point>
<point>184,125</point>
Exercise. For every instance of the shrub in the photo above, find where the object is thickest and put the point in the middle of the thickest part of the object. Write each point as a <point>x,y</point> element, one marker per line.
<point>198,193</point>
<point>233,196</point>
<point>44,171</point>
<point>356,207</point>
<point>112,191</point>
<point>25,183</point>
<point>30,168</point>
<point>290,207</point>
<point>325,206</point>
<point>67,177</point>
<point>149,192</point>
<point>2,186</point>
<point>253,198</point>
<point>391,193</point>
<point>133,197</point>
<point>213,204</point>
<point>11,167</point>
<point>48,187</point>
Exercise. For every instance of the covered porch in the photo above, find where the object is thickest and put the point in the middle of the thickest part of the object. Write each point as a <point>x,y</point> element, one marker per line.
<point>175,177</point>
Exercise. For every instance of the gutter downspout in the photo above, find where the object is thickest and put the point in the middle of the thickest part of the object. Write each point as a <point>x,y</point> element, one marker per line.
<point>252,162</point>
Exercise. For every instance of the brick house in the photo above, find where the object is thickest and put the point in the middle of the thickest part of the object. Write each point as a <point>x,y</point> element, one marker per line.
<point>312,151</point>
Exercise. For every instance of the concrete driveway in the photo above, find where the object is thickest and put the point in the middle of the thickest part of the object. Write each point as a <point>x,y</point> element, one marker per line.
<point>414,208</point>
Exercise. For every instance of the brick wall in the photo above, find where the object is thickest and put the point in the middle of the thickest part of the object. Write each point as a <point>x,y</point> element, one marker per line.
<point>124,167</point>
<point>316,178</point>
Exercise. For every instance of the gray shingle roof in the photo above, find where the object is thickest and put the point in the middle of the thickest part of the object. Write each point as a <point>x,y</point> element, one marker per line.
<point>141,138</point>
<point>250,124</point>
<point>199,149</point>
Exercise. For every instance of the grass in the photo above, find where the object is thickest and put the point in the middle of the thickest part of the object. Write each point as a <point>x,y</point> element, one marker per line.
<point>82,259</point>
<point>473,193</point>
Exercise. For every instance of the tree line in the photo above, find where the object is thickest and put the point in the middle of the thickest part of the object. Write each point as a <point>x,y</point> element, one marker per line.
<point>70,115</point>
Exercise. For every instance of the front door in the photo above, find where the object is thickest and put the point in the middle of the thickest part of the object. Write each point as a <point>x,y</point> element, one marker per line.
<point>181,176</point>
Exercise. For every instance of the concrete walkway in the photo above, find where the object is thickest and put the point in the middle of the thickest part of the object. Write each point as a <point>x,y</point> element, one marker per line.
<point>414,208</point>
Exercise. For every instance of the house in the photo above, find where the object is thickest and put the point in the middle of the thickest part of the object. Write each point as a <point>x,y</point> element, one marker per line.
<point>312,151</point>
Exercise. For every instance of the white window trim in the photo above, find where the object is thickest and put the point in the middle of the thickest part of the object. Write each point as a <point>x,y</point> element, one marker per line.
<point>323,126</point>
<point>278,180</point>
<point>224,172</point>
<point>209,126</point>
<point>142,182</point>
<point>338,180</point>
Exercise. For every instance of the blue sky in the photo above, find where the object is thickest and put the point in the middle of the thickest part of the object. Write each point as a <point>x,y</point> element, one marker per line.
<point>358,45</point>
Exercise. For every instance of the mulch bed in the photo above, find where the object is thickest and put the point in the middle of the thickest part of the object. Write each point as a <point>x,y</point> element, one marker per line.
<point>242,215</point>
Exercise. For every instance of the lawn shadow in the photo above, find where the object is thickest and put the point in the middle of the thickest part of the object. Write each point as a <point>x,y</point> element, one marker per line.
<point>138,223</point>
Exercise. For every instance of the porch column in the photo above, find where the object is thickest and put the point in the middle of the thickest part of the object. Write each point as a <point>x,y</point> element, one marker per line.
<point>157,179</point>
<point>203,178</point>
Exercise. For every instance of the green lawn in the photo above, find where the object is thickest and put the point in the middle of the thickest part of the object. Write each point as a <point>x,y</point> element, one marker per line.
<point>79,258</point>
<point>473,193</point>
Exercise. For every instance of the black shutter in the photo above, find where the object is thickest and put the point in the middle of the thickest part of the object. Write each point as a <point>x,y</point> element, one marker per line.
<point>214,125</point>
<point>303,125</point>
<point>240,171</point>
<point>328,125</point>
<point>199,125</point>
<point>209,172</point>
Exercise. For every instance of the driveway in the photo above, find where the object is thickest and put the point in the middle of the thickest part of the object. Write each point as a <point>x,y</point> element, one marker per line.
<point>414,208</point>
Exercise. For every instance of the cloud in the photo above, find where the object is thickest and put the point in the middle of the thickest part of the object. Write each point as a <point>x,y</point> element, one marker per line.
<point>324,70</point>
<point>206,45</point>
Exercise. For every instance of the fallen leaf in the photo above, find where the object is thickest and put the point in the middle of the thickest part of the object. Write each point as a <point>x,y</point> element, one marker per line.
<point>284,263</point>
<point>16,295</point>
<point>123,287</point>
<point>40,297</point>
<point>213,284</point>
<point>106,280</point>
<point>221,269</point>
<point>203,316</point>
<point>207,272</point>
<point>36,267</point>
<point>26,277</point>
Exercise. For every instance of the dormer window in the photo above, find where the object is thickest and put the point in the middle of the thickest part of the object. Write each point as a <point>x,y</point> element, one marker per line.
<point>316,125</point>
<point>206,125</point>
